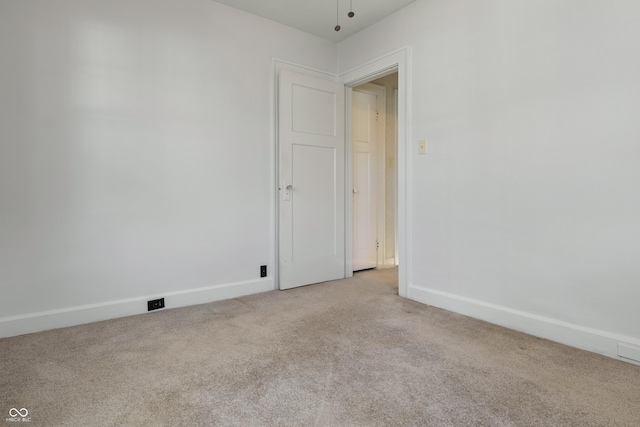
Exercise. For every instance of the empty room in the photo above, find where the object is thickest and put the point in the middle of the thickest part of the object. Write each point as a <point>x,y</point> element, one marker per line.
<point>320,212</point>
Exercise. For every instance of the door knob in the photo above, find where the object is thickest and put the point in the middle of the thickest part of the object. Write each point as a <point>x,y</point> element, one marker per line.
<point>287,191</point>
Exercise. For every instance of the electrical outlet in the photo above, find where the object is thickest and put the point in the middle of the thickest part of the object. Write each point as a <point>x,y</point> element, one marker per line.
<point>629,352</point>
<point>155,304</point>
<point>263,271</point>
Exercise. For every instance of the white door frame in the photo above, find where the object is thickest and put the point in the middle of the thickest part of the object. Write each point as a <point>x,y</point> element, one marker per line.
<point>397,61</point>
<point>395,179</point>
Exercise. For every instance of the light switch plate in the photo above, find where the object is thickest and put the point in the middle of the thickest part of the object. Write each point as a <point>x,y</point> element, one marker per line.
<point>422,146</point>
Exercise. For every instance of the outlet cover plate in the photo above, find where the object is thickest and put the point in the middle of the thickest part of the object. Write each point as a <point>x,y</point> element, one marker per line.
<point>629,352</point>
<point>155,304</point>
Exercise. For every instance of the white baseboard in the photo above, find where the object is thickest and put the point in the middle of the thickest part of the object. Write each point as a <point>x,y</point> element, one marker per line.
<point>36,322</point>
<point>589,339</point>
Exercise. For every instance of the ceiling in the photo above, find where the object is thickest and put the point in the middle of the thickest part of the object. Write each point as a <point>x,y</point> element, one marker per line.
<point>318,17</point>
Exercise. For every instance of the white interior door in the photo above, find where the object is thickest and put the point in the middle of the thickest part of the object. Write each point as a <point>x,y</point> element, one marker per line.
<point>312,173</point>
<point>368,187</point>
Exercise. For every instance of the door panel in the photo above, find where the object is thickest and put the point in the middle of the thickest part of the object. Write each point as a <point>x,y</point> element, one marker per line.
<point>315,111</point>
<point>365,154</point>
<point>311,174</point>
<point>313,202</point>
<point>362,202</point>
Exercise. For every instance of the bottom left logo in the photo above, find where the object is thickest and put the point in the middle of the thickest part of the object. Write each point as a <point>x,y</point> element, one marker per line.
<point>18,415</point>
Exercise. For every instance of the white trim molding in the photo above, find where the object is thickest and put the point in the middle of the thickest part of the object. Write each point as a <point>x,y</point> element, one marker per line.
<point>617,346</point>
<point>72,316</point>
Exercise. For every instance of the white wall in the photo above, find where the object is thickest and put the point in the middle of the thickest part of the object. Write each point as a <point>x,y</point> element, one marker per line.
<point>526,209</point>
<point>135,154</point>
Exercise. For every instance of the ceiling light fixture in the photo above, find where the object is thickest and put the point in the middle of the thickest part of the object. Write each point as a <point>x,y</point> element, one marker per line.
<point>351,14</point>
<point>337,28</point>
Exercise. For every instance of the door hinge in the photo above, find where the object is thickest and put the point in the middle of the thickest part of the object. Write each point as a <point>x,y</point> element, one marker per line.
<point>377,245</point>
<point>377,116</point>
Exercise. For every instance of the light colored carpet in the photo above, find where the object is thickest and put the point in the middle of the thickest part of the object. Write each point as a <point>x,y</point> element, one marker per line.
<point>349,352</point>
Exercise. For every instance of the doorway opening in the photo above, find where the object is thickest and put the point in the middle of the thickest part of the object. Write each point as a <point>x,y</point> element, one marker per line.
<point>287,192</point>
<point>392,63</point>
<point>374,144</point>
